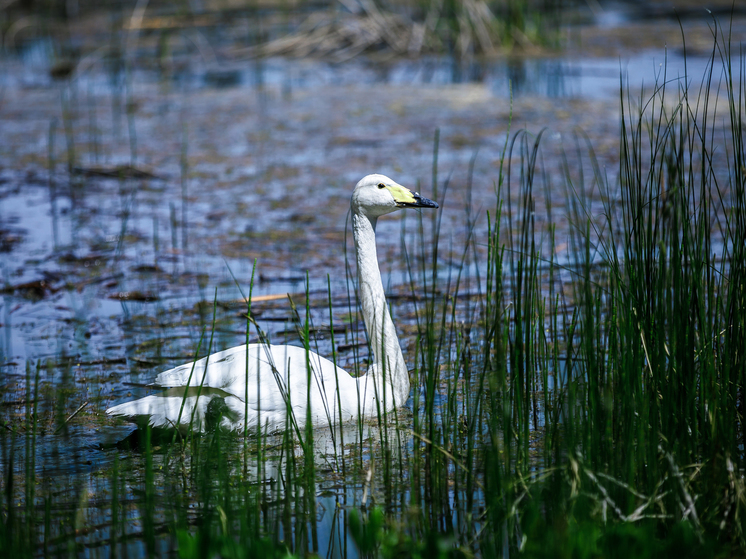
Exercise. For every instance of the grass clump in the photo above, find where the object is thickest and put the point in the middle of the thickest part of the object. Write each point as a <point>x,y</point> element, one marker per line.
<point>646,418</point>
<point>600,407</point>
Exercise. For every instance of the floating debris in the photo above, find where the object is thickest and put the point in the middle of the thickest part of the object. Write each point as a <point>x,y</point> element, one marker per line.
<point>90,260</point>
<point>220,78</point>
<point>92,362</point>
<point>141,296</point>
<point>291,279</point>
<point>62,69</point>
<point>147,269</point>
<point>9,239</point>
<point>34,290</point>
<point>116,172</point>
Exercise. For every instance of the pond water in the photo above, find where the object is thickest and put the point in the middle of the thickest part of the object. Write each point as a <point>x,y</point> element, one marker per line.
<point>131,200</point>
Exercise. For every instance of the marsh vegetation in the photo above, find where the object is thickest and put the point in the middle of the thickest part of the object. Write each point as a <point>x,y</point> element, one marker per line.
<point>572,316</point>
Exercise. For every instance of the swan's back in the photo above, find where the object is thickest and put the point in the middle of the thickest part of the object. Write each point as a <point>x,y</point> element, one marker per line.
<point>264,380</point>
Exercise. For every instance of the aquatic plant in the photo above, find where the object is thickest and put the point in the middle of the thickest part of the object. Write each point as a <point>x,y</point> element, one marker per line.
<point>579,401</point>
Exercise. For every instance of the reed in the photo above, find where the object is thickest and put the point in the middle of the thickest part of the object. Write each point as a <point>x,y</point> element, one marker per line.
<point>587,403</point>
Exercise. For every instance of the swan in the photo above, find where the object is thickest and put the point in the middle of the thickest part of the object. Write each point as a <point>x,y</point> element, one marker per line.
<point>273,386</point>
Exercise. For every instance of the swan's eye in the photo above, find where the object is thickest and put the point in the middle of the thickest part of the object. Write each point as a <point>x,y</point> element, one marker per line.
<point>381,185</point>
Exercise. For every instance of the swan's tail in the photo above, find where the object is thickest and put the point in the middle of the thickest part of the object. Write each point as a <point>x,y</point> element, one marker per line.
<point>165,411</point>
<point>156,411</point>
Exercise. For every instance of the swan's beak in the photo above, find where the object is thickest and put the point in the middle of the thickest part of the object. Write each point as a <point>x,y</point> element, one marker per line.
<point>405,198</point>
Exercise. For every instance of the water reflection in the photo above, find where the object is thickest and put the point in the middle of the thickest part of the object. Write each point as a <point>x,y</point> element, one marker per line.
<point>555,76</point>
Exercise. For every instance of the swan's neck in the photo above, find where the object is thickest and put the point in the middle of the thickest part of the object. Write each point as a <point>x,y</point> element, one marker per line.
<point>389,367</point>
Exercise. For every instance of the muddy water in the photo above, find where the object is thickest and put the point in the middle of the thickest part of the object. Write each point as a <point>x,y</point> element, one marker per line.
<point>131,201</point>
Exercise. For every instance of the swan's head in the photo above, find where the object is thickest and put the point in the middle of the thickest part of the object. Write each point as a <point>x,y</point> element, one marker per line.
<point>377,195</point>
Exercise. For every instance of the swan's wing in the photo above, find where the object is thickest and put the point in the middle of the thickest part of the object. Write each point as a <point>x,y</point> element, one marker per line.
<point>329,385</point>
<point>258,371</point>
<point>259,382</point>
<point>183,409</point>
<point>225,370</point>
<point>180,408</point>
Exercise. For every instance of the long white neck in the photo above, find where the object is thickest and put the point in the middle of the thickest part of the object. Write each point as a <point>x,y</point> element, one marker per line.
<point>389,367</point>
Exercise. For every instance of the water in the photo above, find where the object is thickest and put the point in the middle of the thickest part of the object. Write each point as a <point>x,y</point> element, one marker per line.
<point>109,279</point>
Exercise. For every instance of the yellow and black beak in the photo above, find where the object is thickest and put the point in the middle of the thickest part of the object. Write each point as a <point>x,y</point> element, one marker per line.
<point>405,198</point>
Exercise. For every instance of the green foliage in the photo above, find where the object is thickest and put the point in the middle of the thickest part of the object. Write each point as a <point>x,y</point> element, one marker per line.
<point>375,537</point>
<point>677,542</point>
<point>573,538</point>
<point>202,544</point>
<point>367,533</point>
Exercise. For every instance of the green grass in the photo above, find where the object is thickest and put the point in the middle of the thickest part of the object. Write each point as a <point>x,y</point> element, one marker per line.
<point>587,406</point>
<point>595,407</point>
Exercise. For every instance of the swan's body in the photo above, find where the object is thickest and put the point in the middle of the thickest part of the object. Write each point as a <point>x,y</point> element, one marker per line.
<point>257,384</point>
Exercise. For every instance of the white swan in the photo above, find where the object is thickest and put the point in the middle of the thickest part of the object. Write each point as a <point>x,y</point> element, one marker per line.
<point>257,384</point>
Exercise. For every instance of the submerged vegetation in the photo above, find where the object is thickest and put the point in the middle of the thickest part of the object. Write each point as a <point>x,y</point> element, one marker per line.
<point>579,397</point>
